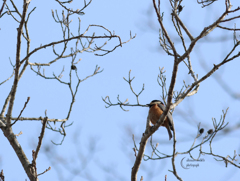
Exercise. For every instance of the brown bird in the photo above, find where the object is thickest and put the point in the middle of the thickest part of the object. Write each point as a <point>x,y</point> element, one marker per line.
<point>156,108</point>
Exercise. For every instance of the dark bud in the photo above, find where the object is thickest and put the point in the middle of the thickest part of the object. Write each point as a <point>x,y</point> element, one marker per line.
<point>201,131</point>
<point>73,67</point>
<point>210,131</point>
<point>180,8</point>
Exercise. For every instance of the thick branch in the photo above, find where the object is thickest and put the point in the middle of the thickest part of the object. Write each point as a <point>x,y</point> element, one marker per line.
<point>14,88</point>
<point>8,130</point>
<point>139,158</point>
<point>146,135</point>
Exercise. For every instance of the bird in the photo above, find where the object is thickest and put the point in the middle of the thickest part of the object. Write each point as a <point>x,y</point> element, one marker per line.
<point>156,108</point>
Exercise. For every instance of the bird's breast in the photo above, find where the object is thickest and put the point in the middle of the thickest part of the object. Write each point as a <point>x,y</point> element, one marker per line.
<point>154,114</point>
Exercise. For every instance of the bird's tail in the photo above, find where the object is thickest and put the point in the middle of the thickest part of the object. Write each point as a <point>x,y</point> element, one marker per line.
<point>169,132</point>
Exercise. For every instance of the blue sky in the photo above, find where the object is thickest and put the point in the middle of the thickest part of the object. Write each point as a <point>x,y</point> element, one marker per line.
<point>108,132</point>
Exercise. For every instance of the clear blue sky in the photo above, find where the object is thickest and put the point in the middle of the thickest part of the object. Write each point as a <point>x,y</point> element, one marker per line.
<point>109,131</point>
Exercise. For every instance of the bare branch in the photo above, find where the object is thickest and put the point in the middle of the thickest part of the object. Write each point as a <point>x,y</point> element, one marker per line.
<point>21,111</point>
<point>16,9</point>
<point>41,137</point>
<point>164,30</point>
<point>215,68</point>
<point>37,119</point>
<point>14,89</point>
<point>206,2</point>
<point>230,29</point>
<point>139,157</point>
<point>125,103</point>
<point>78,11</point>
<point>4,1</point>
<point>174,155</point>
<point>182,25</point>
<point>49,168</point>
<point>7,79</point>
<point>129,81</point>
<point>77,38</point>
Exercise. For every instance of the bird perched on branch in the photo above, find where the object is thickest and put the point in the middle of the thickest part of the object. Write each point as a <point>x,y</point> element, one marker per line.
<point>156,108</point>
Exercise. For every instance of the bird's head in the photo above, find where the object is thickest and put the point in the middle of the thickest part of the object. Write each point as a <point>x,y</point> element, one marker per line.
<point>154,102</point>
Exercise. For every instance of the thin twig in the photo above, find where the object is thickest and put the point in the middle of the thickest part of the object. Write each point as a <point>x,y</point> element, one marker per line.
<point>49,168</point>
<point>4,1</point>
<point>7,79</point>
<point>41,137</point>
<point>21,111</point>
